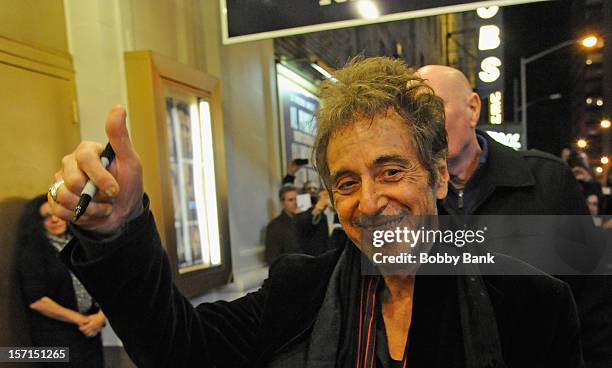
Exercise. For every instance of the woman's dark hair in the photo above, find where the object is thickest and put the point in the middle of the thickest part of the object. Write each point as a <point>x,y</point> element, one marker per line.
<point>31,229</point>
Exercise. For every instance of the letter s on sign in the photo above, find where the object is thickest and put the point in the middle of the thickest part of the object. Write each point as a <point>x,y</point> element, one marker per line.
<point>490,69</point>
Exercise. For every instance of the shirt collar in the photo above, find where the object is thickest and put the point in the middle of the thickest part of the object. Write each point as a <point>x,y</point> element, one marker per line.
<point>484,147</point>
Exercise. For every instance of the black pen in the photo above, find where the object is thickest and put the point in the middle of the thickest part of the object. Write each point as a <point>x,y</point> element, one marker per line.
<point>89,191</point>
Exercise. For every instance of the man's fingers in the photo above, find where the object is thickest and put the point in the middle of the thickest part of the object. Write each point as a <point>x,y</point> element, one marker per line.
<point>88,161</point>
<point>74,178</point>
<point>59,210</point>
<point>118,135</point>
<point>67,201</point>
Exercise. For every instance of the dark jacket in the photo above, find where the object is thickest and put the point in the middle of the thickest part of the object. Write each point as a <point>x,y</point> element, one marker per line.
<point>536,183</point>
<point>130,277</point>
<point>523,183</point>
<point>313,235</point>
<point>281,238</point>
<point>42,273</point>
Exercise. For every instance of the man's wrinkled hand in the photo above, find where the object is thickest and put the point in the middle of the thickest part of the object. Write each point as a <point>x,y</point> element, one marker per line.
<point>120,187</point>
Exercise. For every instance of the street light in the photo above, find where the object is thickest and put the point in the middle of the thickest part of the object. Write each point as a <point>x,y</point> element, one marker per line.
<point>581,143</point>
<point>589,41</point>
<point>604,160</point>
<point>605,123</point>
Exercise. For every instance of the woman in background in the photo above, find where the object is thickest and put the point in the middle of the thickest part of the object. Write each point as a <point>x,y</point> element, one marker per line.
<point>62,313</point>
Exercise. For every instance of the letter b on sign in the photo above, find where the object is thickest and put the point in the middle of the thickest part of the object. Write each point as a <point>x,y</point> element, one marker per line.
<point>488,38</point>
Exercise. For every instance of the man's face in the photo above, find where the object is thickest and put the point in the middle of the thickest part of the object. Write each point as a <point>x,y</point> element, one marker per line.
<point>289,202</point>
<point>461,118</point>
<point>377,180</point>
<point>593,203</point>
<point>311,188</point>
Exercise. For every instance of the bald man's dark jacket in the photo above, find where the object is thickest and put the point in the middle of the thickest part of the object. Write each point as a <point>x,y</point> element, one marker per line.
<point>536,183</point>
<point>523,183</point>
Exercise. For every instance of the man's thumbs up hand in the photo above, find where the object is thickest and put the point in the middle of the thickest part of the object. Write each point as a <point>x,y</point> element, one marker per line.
<point>120,187</point>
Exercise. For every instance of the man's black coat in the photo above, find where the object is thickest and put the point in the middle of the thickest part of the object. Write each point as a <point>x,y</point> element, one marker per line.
<point>131,278</point>
<point>523,183</point>
<point>537,183</point>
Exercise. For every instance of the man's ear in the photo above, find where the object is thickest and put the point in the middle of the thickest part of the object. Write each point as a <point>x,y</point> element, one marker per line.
<point>441,187</point>
<point>474,104</point>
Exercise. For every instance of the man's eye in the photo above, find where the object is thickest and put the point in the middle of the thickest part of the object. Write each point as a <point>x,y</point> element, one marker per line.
<point>346,186</point>
<point>392,173</point>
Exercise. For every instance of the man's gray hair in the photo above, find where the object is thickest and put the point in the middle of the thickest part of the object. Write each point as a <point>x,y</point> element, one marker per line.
<point>366,87</point>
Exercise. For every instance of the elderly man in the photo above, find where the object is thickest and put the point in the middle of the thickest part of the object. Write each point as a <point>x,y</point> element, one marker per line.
<point>381,152</point>
<point>488,178</point>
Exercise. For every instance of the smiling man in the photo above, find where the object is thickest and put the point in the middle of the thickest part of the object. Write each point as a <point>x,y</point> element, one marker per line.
<point>381,152</point>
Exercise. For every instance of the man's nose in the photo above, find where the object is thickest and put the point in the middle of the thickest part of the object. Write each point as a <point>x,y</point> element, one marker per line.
<point>371,199</point>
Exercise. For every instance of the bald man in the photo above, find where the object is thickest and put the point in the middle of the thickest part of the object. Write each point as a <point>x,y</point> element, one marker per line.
<point>488,178</point>
<point>462,108</point>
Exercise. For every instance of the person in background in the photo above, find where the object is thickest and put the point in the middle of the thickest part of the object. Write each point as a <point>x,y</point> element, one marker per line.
<point>312,227</point>
<point>318,228</point>
<point>292,168</point>
<point>488,178</point>
<point>593,198</point>
<point>311,187</point>
<point>578,161</point>
<point>592,201</point>
<point>61,311</point>
<point>281,236</point>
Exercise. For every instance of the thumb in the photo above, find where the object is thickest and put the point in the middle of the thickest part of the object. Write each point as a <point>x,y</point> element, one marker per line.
<point>117,133</point>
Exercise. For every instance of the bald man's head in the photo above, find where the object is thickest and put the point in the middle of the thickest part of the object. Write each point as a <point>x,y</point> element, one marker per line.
<point>461,105</point>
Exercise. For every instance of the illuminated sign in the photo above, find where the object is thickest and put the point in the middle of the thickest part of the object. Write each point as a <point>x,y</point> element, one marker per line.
<point>490,69</point>
<point>250,20</point>
<point>512,140</point>
<point>488,37</point>
<point>298,104</point>
<point>490,82</point>
<point>486,13</point>
<point>495,108</point>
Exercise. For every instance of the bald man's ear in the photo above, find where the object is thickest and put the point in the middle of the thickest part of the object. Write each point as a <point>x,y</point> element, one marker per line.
<point>474,105</point>
<point>441,188</point>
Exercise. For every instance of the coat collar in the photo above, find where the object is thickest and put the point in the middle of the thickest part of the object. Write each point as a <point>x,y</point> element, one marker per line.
<point>505,167</point>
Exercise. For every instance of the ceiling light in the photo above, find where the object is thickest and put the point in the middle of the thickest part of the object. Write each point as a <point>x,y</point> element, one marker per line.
<point>323,72</point>
<point>367,9</point>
